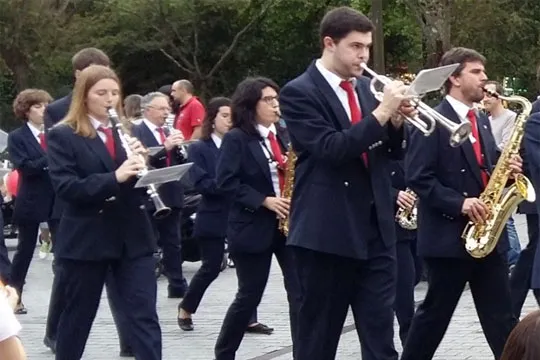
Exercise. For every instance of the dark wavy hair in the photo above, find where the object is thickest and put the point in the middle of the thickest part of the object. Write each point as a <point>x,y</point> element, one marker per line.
<point>211,112</point>
<point>244,103</point>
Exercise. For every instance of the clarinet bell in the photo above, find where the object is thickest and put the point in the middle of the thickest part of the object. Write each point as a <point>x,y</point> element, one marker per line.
<point>162,211</point>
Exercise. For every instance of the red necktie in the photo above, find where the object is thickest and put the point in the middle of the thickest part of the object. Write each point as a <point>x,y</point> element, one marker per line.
<point>42,142</point>
<point>356,114</point>
<point>476,146</point>
<point>163,138</point>
<point>276,150</point>
<point>109,140</point>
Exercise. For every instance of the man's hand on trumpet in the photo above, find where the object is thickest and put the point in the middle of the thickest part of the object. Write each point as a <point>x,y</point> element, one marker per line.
<point>393,99</point>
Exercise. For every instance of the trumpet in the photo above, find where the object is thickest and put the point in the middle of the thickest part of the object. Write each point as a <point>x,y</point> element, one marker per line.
<point>458,132</point>
<point>161,209</point>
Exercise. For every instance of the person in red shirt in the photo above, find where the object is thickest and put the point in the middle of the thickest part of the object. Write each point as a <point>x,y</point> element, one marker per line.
<point>191,114</point>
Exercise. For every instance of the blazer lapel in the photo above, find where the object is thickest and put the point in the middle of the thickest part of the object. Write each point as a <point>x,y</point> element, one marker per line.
<point>328,95</point>
<point>362,89</point>
<point>257,152</point>
<point>147,134</point>
<point>97,146</point>
<point>466,147</point>
<point>29,136</point>
<point>484,132</point>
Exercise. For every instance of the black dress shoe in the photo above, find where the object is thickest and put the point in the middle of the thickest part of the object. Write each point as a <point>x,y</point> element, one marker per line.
<point>186,324</point>
<point>260,329</point>
<point>50,343</point>
<point>20,309</point>
<point>126,353</point>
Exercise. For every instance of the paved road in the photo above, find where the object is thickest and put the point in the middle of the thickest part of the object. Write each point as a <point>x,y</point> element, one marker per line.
<point>464,339</point>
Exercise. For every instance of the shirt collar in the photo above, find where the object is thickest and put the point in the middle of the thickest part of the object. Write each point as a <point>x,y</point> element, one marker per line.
<point>153,127</point>
<point>265,131</point>
<point>96,123</point>
<point>332,79</point>
<point>460,108</point>
<point>217,140</point>
<point>35,131</point>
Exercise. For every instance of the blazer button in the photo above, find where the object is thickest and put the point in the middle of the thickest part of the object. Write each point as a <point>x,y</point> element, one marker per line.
<point>142,207</point>
<point>346,183</point>
<point>100,211</point>
<point>465,193</point>
<point>462,170</point>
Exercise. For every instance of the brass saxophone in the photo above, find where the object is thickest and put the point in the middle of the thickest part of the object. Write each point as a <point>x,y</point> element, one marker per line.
<point>406,218</point>
<point>481,239</point>
<point>288,187</point>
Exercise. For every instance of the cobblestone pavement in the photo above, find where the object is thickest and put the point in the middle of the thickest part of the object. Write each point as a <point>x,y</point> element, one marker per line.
<point>464,339</point>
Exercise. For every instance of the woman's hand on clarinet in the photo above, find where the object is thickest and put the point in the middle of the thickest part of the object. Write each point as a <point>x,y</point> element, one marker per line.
<point>137,147</point>
<point>131,167</point>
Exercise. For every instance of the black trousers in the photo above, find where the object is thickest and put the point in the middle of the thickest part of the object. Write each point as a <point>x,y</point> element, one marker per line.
<point>28,234</point>
<point>136,283</point>
<point>520,280</point>
<point>5,263</point>
<point>488,279</point>
<point>330,284</point>
<point>252,270</point>
<point>406,281</point>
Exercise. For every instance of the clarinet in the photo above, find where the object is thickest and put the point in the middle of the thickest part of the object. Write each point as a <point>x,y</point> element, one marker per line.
<point>169,122</point>
<point>161,209</point>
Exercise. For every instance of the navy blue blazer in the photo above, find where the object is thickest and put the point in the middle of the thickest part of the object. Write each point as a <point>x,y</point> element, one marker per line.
<point>338,205</point>
<point>54,113</point>
<point>171,193</point>
<point>35,195</point>
<point>531,142</point>
<point>243,174</point>
<point>397,174</point>
<point>212,213</point>
<point>102,219</point>
<point>443,176</point>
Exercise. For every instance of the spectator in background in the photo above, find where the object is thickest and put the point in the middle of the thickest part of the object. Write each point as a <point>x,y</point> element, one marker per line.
<point>191,113</point>
<point>132,108</point>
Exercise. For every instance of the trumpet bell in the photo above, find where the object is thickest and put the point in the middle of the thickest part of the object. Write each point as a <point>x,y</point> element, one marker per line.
<point>460,134</point>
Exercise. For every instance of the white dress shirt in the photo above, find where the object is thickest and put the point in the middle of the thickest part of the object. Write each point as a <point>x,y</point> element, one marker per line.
<point>462,110</point>
<point>154,129</point>
<point>334,81</point>
<point>9,325</point>
<point>217,140</point>
<point>97,124</point>
<point>35,131</point>
<point>267,147</point>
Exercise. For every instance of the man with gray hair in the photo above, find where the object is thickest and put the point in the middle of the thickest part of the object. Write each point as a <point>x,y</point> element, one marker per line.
<point>155,109</point>
<point>191,113</point>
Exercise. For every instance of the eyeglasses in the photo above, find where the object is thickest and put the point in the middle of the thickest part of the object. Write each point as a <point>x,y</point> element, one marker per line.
<point>270,99</point>
<point>163,108</point>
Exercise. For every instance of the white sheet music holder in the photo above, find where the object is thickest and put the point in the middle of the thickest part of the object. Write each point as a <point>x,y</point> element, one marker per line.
<point>3,140</point>
<point>429,80</point>
<point>163,175</point>
<point>153,150</point>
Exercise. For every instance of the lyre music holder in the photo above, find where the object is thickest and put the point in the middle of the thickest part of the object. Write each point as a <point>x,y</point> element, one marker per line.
<point>429,80</point>
<point>163,175</point>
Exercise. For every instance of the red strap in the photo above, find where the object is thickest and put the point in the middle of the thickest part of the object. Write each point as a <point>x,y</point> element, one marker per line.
<point>42,141</point>
<point>276,151</point>
<point>163,138</point>
<point>471,115</point>
<point>109,141</point>
<point>356,113</point>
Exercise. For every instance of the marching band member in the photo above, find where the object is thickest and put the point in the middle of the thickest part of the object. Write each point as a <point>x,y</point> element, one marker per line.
<point>35,196</point>
<point>55,112</point>
<point>211,221</point>
<point>151,132</point>
<point>250,170</point>
<point>448,181</point>
<point>104,225</point>
<point>342,227</point>
<point>407,276</point>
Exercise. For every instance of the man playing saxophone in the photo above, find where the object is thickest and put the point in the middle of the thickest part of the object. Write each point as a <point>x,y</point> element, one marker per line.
<point>448,182</point>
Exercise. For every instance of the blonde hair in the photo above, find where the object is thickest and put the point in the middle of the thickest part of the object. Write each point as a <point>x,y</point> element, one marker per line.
<point>77,116</point>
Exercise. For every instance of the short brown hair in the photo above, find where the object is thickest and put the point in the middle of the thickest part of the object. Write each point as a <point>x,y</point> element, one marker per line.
<point>524,341</point>
<point>341,21</point>
<point>461,56</point>
<point>28,98</point>
<point>89,56</point>
<point>498,87</point>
